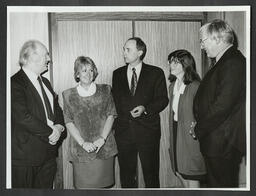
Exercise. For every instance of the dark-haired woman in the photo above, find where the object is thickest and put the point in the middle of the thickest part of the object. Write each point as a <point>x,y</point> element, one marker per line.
<point>187,161</point>
<point>89,113</point>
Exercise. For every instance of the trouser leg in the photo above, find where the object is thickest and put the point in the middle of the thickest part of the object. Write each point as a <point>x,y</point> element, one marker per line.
<point>149,156</point>
<point>127,159</point>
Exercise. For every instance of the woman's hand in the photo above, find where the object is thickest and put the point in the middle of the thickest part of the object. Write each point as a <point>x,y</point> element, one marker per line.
<point>99,143</point>
<point>89,147</point>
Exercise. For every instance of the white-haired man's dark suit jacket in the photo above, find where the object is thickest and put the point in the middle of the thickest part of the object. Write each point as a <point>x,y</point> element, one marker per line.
<point>219,109</point>
<point>30,143</point>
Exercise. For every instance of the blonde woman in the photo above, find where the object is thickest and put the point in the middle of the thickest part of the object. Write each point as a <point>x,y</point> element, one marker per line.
<point>89,113</point>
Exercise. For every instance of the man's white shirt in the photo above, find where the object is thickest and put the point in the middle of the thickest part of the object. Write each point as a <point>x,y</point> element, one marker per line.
<point>130,72</point>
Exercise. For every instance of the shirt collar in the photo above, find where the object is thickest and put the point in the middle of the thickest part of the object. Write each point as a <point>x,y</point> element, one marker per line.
<point>222,52</point>
<point>31,75</point>
<point>181,90</point>
<point>137,67</point>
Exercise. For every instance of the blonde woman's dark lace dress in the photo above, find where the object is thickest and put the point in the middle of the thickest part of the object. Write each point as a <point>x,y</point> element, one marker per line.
<point>89,115</point>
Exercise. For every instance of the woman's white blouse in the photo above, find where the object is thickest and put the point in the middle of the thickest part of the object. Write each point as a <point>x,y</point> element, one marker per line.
<point>85,93</point>
<point>176,98</point>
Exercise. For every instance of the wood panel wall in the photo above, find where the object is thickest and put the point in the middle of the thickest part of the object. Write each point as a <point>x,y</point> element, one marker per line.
<point>237,21</point>
<point>103,42</point>
<point>23,27</point>
<point>163,38</point>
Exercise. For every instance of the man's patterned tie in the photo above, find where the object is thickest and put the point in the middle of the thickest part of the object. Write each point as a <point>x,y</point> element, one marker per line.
<point>133,81</point>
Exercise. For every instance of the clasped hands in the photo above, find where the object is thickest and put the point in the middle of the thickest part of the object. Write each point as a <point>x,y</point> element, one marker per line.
<point>56,133</point>
<point>94,146</point>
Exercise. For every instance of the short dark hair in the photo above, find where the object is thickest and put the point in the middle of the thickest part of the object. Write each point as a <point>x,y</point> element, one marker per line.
<point>188,64</point>
<point>140,45</point>
<point>83,61</point>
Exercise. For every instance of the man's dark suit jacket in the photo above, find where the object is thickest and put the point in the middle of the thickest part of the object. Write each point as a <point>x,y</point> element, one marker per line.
<point>30,131</point>
<point>219,106</point>
<point>151,92</point>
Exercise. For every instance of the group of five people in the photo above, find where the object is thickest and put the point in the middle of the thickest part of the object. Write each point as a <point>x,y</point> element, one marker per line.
<point>206,118</point>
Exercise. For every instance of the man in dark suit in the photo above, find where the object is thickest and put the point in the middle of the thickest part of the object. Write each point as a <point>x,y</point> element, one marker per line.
<point>36,120</point>
<point>219,106</point>
<point>140,94</point>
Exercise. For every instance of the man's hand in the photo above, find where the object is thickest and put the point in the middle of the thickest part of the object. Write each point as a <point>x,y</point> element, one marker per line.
<point>137,111</point>
<point>59,127</point>
<point>52,143</point>
<point>56,132</point>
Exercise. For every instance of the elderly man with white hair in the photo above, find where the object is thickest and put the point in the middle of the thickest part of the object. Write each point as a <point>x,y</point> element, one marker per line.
<point>36,120</point>
<point>219,106</point>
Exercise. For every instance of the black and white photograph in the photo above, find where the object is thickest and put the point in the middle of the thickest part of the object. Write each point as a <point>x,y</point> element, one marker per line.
<point>128,98</point>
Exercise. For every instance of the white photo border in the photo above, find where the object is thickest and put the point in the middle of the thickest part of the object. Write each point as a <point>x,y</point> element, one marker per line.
<point>59,9</point>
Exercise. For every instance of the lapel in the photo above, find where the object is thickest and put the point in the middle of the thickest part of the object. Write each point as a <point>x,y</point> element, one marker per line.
<point>222,58</point>
<point>181,98</point>
<point>181,103</point>
<point>171,92</point>
<point>170,105</point>
<point>124,80</point>
<point>51,91</point>
<point>30,87</point>
<point>142,79</point>
<point>226,55</point>
<point>48,86</point>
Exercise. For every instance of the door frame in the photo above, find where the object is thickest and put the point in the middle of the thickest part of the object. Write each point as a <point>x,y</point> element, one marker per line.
<point>54,18</point>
